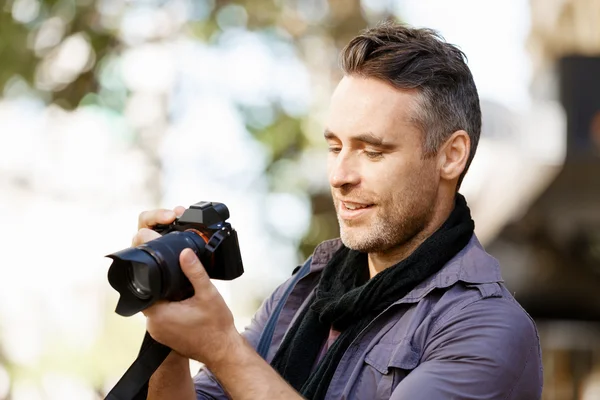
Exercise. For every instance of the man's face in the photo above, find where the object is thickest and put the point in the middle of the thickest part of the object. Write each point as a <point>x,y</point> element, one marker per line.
<point>384,190</point>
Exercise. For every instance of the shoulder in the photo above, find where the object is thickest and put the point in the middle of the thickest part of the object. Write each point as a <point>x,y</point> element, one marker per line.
<point>472,341</point>
<point>489,310</point>
<point>490,331</point>
<point>474,301</point>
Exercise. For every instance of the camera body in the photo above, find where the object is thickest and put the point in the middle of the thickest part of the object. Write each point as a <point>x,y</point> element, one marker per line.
<point>150,272</point>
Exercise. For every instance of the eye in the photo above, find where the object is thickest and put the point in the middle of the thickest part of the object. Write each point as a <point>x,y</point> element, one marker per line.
<point>374,154</point>
<point>335,150</point>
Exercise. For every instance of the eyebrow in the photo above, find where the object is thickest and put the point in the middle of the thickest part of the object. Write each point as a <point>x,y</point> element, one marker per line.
<point>366,137</point>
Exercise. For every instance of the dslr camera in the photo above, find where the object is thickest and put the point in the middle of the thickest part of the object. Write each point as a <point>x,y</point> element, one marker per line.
<point>150,272</point>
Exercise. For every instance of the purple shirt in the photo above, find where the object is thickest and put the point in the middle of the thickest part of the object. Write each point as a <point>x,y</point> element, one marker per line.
<point>458,335</point>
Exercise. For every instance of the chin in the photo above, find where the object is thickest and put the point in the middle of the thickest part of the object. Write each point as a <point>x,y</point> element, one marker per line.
<point>362,241</point>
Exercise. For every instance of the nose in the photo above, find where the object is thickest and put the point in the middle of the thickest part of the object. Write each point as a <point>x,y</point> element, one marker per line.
<point>343,170</point>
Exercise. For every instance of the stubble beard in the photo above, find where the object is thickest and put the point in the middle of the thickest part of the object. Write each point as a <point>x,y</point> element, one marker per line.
<point>391,227</point>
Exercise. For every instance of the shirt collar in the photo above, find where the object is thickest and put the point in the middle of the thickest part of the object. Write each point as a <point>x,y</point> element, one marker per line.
<point>470,265</point>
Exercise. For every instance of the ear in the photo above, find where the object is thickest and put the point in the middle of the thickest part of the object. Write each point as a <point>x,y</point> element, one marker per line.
<point>453,155</point>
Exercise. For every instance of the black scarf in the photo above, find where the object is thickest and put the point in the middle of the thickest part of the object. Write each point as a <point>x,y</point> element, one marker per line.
<point>347,300</point>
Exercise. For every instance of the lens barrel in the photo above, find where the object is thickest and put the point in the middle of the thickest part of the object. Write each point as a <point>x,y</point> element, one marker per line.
<point>150,272</point>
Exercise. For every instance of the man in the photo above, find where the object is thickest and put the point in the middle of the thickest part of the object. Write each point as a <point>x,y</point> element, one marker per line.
<point>407,304</point>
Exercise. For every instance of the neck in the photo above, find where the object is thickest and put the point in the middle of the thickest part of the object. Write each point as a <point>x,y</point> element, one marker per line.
<point>380,261</point>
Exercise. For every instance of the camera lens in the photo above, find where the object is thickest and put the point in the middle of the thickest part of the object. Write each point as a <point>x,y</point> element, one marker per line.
<point>150,272</point>
<point>139,280</point>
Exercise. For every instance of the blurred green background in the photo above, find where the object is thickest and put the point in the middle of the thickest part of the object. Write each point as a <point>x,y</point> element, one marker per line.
<point>112,107</point>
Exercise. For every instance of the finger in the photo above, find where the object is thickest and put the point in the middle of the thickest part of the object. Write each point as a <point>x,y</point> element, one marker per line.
<point>148,219</point>
<point>155,309</point>
<point>144,235</point>
<point>194,270</point>
<point>179,210</point>
<point>155,319</point>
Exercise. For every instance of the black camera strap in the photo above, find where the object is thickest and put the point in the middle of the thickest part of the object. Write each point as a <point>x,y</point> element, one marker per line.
<point>133,385</point>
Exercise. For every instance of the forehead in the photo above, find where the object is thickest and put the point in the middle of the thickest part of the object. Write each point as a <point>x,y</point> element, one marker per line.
<point>361,105</point>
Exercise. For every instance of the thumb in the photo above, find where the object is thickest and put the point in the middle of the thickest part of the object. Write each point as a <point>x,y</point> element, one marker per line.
<point>194,270</point>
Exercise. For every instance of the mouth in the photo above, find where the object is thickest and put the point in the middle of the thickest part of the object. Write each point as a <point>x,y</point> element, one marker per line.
<point>350,210</point>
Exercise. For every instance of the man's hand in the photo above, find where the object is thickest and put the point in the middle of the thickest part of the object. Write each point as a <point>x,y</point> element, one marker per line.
<point>175,324</point>
<point>200,327</point>
<point>148,219</point>
<point>172,379</point>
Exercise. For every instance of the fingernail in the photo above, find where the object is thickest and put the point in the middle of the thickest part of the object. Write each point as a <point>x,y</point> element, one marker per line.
<point>169,214</point>
<point>189,257</point>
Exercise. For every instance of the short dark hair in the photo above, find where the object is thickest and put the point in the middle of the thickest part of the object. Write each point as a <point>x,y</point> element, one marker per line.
<point>420,58</point>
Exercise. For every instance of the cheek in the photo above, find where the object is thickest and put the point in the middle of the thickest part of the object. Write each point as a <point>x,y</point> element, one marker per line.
<point>329,163</point>
<point>398,179</point>
<point>382,181</point>
<point>389,175</point>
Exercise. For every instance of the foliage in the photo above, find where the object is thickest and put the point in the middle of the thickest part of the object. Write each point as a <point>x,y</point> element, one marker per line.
<point>34,32</point>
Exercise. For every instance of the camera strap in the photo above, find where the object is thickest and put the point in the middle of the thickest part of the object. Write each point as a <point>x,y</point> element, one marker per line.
<point>264,343</point>
<point>133,385</point>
